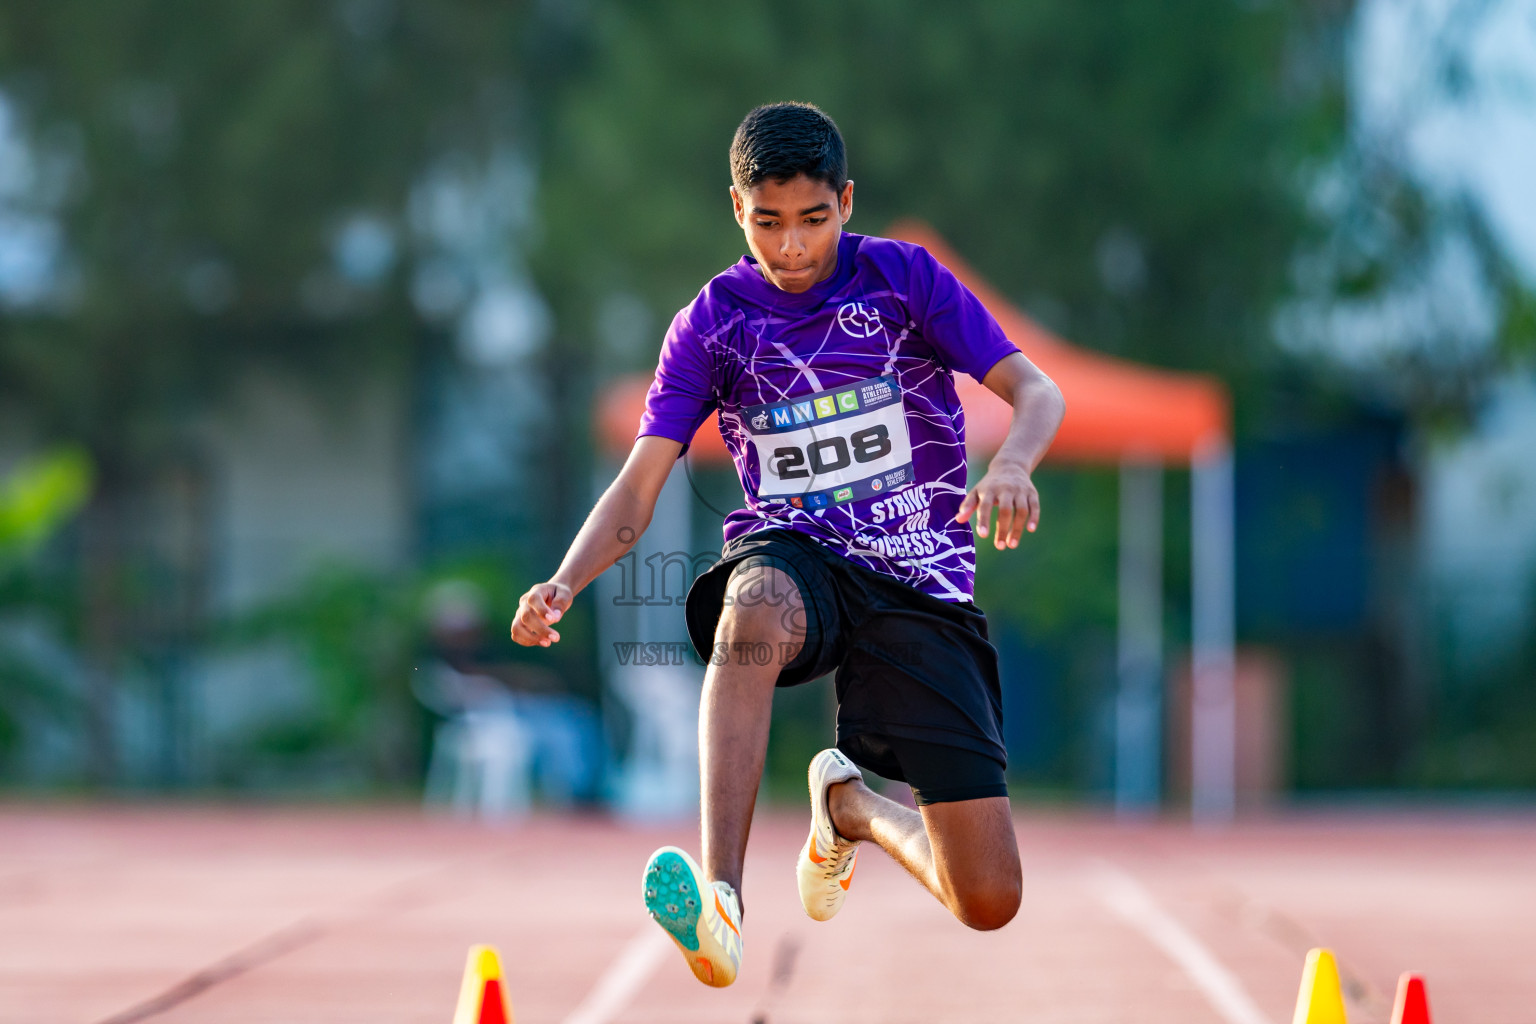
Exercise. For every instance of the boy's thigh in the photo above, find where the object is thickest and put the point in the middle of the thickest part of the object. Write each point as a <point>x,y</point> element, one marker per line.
<point>763,591</point>
<point>974,845</point>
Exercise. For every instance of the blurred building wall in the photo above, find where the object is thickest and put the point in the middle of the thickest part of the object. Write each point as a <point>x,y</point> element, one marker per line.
<point>300,481</point>
<point>1478,541</point>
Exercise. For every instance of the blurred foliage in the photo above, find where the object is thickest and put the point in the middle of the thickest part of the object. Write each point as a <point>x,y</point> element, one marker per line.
<point>362,636</point>
<point>1128,173</point>
<point>1477,727</point>
<point>1062,577</point>
<point>1411,295</point>
<point>358,633</point>
<point>228,185</point>
<point>205,162</point>
<point>38,497</point>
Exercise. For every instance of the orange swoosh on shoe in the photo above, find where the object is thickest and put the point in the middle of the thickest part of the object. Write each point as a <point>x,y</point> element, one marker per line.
<point>811,852</point>
<point>847,879</point>
<point>725,917</point>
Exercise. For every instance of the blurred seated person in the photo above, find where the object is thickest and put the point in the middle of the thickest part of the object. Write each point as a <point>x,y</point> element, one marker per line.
<point>504,717</point>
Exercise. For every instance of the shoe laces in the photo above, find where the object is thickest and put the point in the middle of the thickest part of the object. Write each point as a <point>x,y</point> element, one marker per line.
<point>841,851</point>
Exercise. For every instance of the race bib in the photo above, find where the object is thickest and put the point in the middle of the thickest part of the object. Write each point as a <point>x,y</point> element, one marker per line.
<point>832,447</point>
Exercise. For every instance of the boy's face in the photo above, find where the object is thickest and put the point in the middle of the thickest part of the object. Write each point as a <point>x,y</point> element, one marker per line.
<point>792,228</point>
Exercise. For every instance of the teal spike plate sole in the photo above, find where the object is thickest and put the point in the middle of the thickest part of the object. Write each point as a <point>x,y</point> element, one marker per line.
<point>672,897</point>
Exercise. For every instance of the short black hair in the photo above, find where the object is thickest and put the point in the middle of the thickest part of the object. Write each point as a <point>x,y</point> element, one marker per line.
<point>781,140</point>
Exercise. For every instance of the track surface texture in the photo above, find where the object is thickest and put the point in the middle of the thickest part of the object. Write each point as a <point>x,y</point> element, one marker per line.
<point>219,915</point>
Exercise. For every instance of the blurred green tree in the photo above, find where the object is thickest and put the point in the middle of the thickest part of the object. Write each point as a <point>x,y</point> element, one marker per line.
<point>1130,173</point>
<point>224,185</point>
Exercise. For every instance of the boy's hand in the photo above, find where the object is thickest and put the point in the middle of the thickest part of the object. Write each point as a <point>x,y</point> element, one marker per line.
<point>1007,487</point>
<point>537,611</point>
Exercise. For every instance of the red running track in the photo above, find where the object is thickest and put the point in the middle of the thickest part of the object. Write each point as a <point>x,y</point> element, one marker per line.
<point>218,916</point>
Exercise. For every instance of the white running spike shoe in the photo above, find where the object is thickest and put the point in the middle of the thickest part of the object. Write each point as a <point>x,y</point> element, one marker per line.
<point>825,868</point>
<point>703,918</point>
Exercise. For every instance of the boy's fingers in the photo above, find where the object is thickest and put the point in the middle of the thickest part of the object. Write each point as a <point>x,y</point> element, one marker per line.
<point>1020,518</point>
<point>984,503</point>
<point>559,600</point>
<point>1034,510</point>
<point>966,507</point>
<point>528,637</point>
<point>544,606</point>
<point>534,616</point>
<point>530,625</point>
<point>522,634</point>
<point>540,607</point>
<point>538,632</point>
<point>1021,514</point>
<point>1005,528</point>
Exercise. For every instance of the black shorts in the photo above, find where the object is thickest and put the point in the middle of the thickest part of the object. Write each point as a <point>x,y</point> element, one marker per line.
<point>918,695</point>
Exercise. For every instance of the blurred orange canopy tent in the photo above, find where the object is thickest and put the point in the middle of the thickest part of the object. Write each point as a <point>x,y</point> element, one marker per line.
<point>1115,409</point>
<point>1123,413</point>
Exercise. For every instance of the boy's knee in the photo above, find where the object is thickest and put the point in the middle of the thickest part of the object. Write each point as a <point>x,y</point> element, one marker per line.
<point>760,605</point>
<point>987,908</point>
<point>988,902</point>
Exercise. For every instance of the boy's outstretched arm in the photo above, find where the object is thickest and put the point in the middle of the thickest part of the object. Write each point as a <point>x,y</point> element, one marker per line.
<point>1037,411</point>
<point>615,523</point>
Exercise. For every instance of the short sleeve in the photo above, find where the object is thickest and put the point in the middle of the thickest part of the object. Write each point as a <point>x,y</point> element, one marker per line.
<point>682,395</point>
<point>952,319</point>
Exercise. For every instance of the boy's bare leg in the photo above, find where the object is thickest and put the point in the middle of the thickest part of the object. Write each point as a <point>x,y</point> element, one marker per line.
<point>762,606</point>
<point>964,852</point>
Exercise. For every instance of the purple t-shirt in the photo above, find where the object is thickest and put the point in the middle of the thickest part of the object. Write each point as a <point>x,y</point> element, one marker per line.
<point>838,404</point>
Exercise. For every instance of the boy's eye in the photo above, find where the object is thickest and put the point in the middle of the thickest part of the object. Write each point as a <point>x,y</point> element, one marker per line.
<point>765,224</point>
<point>816,220</point>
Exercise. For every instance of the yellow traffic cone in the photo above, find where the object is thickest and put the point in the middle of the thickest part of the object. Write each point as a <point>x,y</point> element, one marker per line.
<point>483,996</point>
<point>1321,1000</point>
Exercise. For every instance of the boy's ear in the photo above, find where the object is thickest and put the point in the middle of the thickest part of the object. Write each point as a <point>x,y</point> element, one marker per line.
<point>738,208</point>
<point>845,201</point>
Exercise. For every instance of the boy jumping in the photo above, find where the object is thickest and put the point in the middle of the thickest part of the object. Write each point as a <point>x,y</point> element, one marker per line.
<point>831,357</point>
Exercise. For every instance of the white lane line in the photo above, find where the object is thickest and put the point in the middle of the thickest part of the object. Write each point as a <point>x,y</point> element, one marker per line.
<point>624,977</point>
<point>1129,900</point>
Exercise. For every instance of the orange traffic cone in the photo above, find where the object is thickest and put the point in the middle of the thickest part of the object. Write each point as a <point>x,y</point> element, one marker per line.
<point>1412,1005</point>
<point>1321,999</point>
<point>483,997</point>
